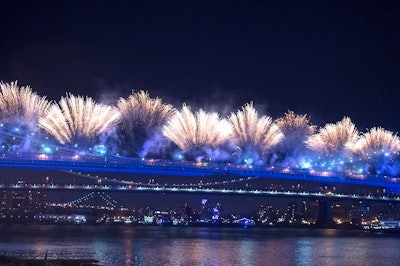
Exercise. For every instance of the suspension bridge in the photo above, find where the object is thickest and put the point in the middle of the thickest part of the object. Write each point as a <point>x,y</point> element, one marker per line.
<point>91,163</point>
<point>200,190</point>
<point>119,164</point>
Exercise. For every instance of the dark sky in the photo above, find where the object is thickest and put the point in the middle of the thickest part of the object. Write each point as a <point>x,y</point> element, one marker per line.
<point>324,58</point>
<point>328,59</point>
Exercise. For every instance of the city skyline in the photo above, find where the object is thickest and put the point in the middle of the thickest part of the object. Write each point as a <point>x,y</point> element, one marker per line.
<point>324,60</point>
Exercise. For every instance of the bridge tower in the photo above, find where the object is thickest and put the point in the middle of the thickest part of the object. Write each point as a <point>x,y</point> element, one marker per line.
<point>325,215</point>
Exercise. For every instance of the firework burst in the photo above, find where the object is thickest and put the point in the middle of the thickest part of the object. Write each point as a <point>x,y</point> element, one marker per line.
<point>334,139</point>
<point>378,141</point>
<point>141,120</point>
<point>251,132</point>
<point>190,130</point>
<point>77,117</point>
<point>20,105</point>
<point>290,152</point>
<point>294,125</point>
<point>141,111</point>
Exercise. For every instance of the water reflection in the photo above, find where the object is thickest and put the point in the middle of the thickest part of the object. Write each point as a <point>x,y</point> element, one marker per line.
<point>100,248</point>
<point>303,252</point>
<point>246,252</point>
<point>200,246</point>
<point>128,239</point>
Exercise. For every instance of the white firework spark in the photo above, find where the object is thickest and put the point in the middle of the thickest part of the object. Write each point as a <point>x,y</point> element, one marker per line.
<point>21,105</point>
<point>378,140</point>
<point>249,131</point>
<point>190,130</point>
<point>141,111</point>
<point>294,125</point>
<point>75,117</point>
<point>334,139</point>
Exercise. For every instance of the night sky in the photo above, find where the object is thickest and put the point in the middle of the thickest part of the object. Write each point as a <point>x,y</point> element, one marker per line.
<point>328,59</point>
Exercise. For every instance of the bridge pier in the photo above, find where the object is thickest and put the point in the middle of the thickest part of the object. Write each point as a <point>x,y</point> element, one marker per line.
<point>325,215</point>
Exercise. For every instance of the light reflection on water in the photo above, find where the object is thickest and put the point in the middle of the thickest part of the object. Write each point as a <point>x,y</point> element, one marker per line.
<point>148,245</point>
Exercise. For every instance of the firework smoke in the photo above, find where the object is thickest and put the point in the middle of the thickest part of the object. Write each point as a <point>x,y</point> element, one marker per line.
<point>378,149</point>
<point>253,134</point>
<point>296,129</point>
<point>196,132</point>
<point>141,116</point>
<point>76,117</point>
<point>20,109</point>
<point>156,146</point>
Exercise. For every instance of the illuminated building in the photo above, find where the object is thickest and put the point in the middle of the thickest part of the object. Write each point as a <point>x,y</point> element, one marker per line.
<point>244,222</point>
<point>391,211</point>
<point>205,210</point>
<point>267,215</point>
<point>291,213</point>
<point>340,214</point>
<point>311,211</point>
<point>21,205</point>
<point>361,212</point>
<point>216,213</point>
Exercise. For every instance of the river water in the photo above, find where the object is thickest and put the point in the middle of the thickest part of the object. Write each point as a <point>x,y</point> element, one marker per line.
<point>158,245</point>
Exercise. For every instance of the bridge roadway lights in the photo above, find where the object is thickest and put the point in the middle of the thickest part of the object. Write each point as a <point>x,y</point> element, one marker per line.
<point>273,193</point>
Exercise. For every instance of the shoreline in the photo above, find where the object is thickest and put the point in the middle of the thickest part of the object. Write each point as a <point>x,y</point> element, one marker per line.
<point>12,260</point>
<point>347,227</point>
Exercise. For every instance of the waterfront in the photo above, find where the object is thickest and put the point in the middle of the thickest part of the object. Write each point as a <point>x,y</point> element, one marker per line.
<point>160,245</point>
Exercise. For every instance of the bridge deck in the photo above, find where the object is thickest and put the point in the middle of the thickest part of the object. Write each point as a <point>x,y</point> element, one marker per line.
<point>193,190</point>
<point>116,164</point>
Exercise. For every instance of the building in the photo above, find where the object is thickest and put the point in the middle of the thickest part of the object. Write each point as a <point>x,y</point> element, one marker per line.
<point>361,212</point>
<point>340,214</point>
<point>20,206</point>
